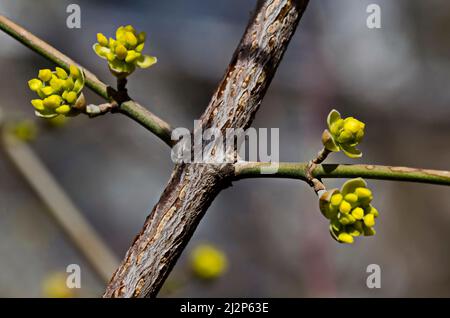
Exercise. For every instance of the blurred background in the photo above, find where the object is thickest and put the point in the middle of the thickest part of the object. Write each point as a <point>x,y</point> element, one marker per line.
<point>396,79</point>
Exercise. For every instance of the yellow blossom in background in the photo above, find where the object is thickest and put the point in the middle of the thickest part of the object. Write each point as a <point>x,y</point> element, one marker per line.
<point>24,130</point>
<point>54,286</point>
<point>208,262</point>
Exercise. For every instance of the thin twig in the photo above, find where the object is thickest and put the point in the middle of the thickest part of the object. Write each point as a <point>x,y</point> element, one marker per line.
<point>245,170</point>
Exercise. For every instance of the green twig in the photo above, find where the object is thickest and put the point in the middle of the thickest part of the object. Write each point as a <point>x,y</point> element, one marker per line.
<point>130,108</point>
<point>244,170</point>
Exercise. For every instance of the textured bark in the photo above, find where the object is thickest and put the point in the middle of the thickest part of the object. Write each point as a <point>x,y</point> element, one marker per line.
<point>193,187</point>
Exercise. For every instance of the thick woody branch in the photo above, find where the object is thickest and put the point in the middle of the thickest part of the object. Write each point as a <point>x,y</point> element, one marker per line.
<point>193,187</point>
<point>130,108</point>
<point>245,170</point>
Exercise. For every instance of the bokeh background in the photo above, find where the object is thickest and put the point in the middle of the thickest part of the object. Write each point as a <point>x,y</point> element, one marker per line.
<point>396,79</point>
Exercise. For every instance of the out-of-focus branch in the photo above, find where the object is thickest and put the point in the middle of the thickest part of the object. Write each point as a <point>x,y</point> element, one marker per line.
<point>60,206</point>
<point>245,170</point>
<point>129,108</point>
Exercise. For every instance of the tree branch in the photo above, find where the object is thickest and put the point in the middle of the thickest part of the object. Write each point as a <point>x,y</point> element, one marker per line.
<point>245,170</point>
<point>130,108</point>
<point>193,187</point>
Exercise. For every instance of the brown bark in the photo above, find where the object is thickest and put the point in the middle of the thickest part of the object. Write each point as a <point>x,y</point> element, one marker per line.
<point>193,187</point>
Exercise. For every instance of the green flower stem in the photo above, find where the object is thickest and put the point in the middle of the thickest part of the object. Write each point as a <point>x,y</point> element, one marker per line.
<point>130,108</point>
<point>245,170</point>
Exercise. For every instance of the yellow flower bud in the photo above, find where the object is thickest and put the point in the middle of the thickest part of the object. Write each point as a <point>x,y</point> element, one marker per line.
<point>38,104</point>
<point>131,39</point>
<point>353,125</point>
<point>63,109</point>
<point>61,73</point>
<point>35,84</point>
<point>74,71</point>
<point>345,207</point>
<point>56,84</point>
<point>47,90</point>
<point>336,199</point>
<point>110,56</point>
<point>121,52</point>
<point>45,75</point>
<point>68,84</point>
<point>70,97</point>
<point>369,220</point>
<point>101,39</point>
<point>363,193</point>
<point>346,219</point>
<point>345,238</point>
<point>358,213</point>
<point>132,56</point>
<point>374,211</point>
<point>52,101</point>
<point>351,198</point>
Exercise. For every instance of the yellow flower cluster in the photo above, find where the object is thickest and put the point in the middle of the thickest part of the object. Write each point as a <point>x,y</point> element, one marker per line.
<point>349,211</point>
<point>124,52</point>
<point>343,134</point>
<point>59,92</point>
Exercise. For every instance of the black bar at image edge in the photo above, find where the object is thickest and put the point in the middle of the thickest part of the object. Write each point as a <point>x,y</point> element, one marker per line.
<point>229,307</point>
